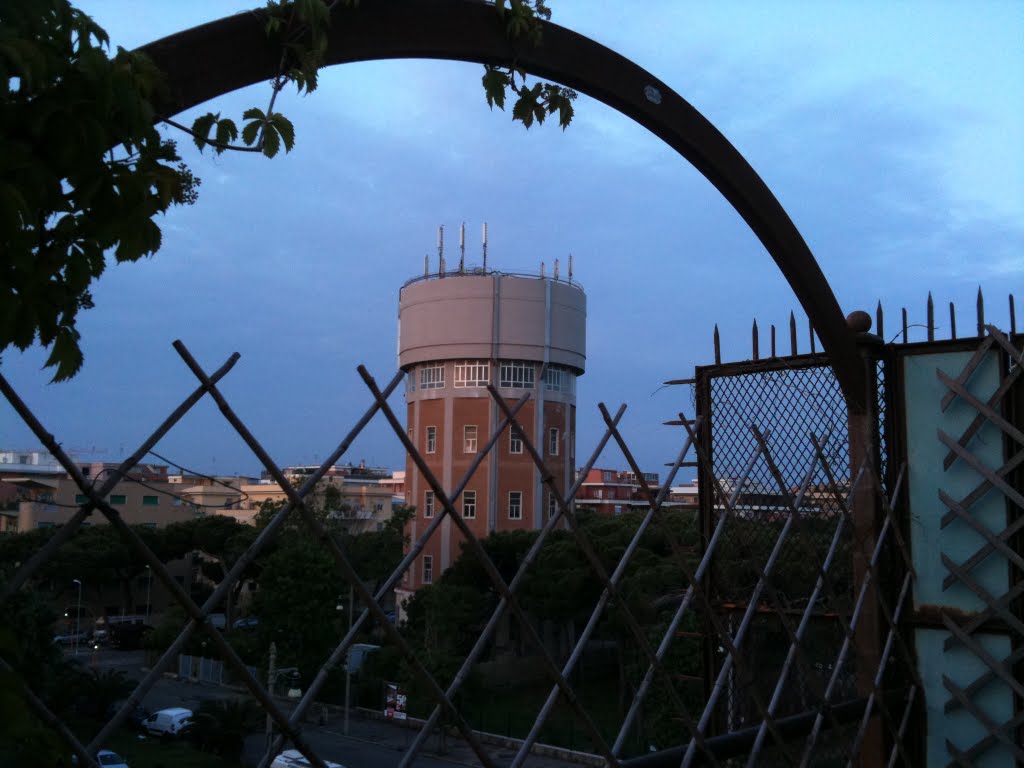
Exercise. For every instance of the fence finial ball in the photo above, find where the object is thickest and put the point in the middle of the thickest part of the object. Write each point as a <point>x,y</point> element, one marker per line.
<point>859,321</point>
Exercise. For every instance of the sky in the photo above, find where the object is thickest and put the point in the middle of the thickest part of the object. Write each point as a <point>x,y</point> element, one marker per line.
<point>892,133</point>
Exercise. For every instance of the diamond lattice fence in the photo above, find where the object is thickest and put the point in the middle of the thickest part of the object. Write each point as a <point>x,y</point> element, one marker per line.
<point>779,593</point>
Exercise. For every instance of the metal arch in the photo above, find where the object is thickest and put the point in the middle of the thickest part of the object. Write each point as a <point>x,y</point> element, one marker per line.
<point>233,52</point>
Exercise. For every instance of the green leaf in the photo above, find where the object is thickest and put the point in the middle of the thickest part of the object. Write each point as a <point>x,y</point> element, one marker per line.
<point>226,133</point>
<point>495,82</point>
<point>271,142</point>
<point>251,132</point>
<point>284,127</point>
<point>65,354</point>
<point>201,128</point>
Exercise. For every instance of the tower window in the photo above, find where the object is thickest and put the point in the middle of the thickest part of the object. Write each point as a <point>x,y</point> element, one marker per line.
<point>553,441</point>
<point>552,505</point>
<point>472,373</point>
<point>432,377</point>
<point>517,374</point>
<point>469,438</point>
<point>428,569</point>
<point>428,504</point>
<point>515,440</point>
<point>515,505</point>
<point>431,439</point>
<point>469,505</point>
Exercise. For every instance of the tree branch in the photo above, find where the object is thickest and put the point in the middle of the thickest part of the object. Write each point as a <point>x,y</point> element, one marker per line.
<point>211,142</point>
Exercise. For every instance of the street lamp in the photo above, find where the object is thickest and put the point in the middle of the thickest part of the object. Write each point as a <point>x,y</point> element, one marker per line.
<point>78,614</point>
<point>348,657</point>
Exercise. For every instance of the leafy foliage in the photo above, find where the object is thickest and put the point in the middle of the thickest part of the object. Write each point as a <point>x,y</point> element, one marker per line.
<point>83,172</point>
<point>523,21</point>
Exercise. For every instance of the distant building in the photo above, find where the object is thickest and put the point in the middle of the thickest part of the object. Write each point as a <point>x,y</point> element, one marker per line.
<point>613,492</point>
<point>459,332</point>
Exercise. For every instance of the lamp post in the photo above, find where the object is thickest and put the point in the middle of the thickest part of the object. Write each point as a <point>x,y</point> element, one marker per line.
<point>78,614</point>
<point>348,660</point>
<point>149,589</point>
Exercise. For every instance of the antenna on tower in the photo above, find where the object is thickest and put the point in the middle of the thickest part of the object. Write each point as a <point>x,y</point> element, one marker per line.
<point>570,269</point>
<point>485,246</point>
<point>440,249</point>
<point>462,247</point>
<point>556,269</point>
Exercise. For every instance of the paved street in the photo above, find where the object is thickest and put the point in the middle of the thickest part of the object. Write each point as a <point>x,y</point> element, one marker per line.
<point>370,743</point>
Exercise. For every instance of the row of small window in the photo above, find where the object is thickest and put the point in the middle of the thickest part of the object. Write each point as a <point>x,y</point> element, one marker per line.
<point>120,498</point>
<point>470,440</point>
<point>514,508</point>
<point>512,374</point>
<point>515,512</point>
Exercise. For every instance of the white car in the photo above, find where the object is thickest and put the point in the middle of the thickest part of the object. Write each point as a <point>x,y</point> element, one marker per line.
<point>292,758</point>
<point>109,759</point>
<point>106,758</point>
<point>168,722</point>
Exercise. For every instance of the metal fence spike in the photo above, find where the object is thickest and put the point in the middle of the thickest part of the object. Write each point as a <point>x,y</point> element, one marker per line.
<point>904,325</point>
<point>952,320</point>
<point>753,341</point>
<point>879,321</point>
<point>773,341</point>
<point>718,346</point>
<point>810,328</point>
<point>1013,317</point>
<point>931,318</point>
<point>792,333</point>
<point>981,314</point>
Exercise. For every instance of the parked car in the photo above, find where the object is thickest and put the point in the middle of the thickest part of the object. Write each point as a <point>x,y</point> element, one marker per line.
<point>109,759</point>
<point>70,638</point>
<point>249,623</point>
<point>168,722</point>
<point>106,758</point>
<point>292,758</point>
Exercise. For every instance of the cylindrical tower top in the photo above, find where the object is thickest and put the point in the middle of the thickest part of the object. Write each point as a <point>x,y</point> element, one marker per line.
<point>490,315</point>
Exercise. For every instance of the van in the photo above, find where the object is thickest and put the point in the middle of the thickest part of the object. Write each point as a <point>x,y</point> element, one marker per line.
<point>292,758</point>
<point>168,722</point>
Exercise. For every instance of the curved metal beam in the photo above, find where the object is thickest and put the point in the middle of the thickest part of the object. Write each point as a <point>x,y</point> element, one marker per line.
<point>234,52</point>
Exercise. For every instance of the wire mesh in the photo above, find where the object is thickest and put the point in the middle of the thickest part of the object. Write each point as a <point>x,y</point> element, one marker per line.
<point>778,610</point>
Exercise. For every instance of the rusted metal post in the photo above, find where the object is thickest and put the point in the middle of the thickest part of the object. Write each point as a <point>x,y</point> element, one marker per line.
<point>866,512</point>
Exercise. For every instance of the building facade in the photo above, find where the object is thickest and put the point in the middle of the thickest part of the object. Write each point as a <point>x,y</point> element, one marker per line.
<point>458,333</point>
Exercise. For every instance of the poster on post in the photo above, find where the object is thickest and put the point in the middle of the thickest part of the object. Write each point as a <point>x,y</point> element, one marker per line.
<point>394,702</point>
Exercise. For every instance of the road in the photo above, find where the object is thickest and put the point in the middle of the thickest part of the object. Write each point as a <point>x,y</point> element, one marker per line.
<point>369,744</point>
